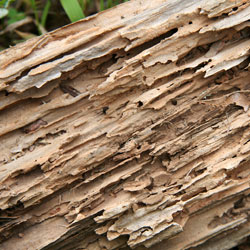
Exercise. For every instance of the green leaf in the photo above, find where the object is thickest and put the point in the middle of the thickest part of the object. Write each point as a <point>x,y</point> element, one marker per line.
<point>14,16</point>
<point>5,3</point>
<point>3,13</point>
<point>110,3</point>
<point>33,5</point>
<point>101,5</point>
<point>2,3</point>
<point>72,9</point>
<point>82,4</point>
<point>45,13</point>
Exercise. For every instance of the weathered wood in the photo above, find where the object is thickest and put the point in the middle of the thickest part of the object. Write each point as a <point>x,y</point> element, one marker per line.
<point>127,129</point>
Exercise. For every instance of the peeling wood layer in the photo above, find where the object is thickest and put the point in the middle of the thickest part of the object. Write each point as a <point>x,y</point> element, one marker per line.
<point>129,129</point>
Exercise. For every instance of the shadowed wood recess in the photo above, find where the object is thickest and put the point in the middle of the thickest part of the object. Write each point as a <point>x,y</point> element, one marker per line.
<point>129,129</point>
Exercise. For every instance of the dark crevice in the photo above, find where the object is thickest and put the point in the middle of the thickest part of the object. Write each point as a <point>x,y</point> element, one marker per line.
<point>199,172</point>
<point>65,88</point>
<point>13,209</point>
<point>239,203</point>
<point>150,187</point>
<point>225,76</point>
<point>246,142</point>
<point>153,42</point>
<point>193,54</point>
<point>243,65</point>
<point>165,157</point>
<point>6,219</point>
<point>24,73</point>
<point>115,58</point>
<point>201,65</point>
<point>105,109</point>
<point>174,102</point>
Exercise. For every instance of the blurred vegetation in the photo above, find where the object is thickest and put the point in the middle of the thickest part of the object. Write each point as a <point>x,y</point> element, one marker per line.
<point>24,19</point>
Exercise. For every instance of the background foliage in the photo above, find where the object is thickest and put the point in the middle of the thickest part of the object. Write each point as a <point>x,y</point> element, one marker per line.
<point>24,19</point>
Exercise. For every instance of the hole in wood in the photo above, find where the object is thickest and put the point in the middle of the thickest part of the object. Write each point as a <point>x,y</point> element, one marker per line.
<point>174,102</point>
<point>239,203</point>
<point>104,110</point>
<point>140,103</point>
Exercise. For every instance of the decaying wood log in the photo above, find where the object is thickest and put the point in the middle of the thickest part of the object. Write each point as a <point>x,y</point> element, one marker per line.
<point>129,129</point>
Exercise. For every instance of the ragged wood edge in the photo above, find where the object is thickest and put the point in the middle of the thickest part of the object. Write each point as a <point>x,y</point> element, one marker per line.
<point>129,130</point>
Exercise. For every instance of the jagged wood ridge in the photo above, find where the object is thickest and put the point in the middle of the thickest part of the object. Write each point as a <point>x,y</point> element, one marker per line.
<point>128,128</point>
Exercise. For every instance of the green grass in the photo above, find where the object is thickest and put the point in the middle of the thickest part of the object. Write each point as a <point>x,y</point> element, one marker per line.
<point>73,9</point>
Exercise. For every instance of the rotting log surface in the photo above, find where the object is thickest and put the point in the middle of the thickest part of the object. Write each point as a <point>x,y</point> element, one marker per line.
<point>129,128</point>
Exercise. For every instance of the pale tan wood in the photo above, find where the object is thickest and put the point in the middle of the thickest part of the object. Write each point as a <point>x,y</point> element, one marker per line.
<point>129,129</point>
